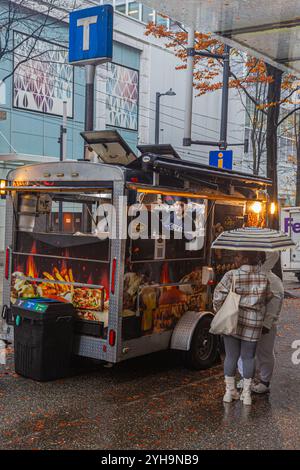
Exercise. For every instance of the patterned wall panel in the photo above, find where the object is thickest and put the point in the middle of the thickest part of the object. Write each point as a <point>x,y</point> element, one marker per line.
<point>42,80</point>
<point>122,93</point>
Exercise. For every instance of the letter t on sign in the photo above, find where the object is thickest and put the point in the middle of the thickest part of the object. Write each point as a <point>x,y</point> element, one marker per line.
<point>86,22</point>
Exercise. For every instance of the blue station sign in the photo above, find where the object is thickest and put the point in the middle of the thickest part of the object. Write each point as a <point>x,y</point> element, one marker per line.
<point>91,35</point>
<point>221,159</point>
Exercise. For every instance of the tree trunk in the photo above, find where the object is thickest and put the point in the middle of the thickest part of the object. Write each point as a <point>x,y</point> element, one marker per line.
<point>274,92</point>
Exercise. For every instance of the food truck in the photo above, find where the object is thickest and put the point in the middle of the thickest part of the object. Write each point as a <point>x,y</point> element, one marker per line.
<point>75,234</point>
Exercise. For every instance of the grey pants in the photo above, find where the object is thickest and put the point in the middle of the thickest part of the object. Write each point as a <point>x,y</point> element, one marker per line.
<point>265,356</point>
<point>235,348</point>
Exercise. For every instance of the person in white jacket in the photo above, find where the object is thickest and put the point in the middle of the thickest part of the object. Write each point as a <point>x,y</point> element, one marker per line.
<point>265,356</point>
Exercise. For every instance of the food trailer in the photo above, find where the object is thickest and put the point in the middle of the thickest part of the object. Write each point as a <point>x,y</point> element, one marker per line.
<point>75,234</point>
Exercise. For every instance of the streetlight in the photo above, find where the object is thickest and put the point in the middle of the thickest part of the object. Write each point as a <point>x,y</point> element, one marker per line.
<point>157,105</point>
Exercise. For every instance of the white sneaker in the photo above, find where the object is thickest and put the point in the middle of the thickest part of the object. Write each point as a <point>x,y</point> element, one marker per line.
<point>260,388</point>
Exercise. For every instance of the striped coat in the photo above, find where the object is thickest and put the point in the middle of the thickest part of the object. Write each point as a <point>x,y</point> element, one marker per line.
<point>254,288</point>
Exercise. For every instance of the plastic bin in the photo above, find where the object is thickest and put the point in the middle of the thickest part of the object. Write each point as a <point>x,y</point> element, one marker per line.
<point>43,339</point>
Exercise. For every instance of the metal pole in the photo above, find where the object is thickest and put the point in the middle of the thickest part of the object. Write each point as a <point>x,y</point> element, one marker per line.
<point>62,157</point>
<point>157,117</point>
<point>225,89</point>
<point>63,135</point>
<point>89,102</point>
<point>189,89</point>
<point>90,71</point>
<point>64,131</point>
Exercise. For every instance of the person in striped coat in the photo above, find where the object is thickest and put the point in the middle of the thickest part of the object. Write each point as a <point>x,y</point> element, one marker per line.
<point>254,288</point>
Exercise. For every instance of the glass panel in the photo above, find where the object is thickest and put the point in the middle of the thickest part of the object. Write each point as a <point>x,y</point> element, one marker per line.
<point>64,258</point>
<point>121,6</point>
<point>133,10</point>
<point>281,44</point>
<point>75,214</point>
<point>175,27</point>
<point>148,14</point>
<point>159,291</point>
<point>176,230</point>
<point>85,284</point>
<point>277,24</point>
<point>63,245</point>
<point>163,21</point>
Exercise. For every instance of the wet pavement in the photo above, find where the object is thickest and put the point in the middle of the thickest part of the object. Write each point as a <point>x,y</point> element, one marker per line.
<point>153,403</point>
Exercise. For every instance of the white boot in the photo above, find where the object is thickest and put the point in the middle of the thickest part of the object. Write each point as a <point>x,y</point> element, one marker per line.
<point>239,385</point>
<point>231,392</point>
<point>246,393</point>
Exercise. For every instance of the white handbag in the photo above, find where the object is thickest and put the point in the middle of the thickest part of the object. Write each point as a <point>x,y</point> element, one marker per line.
<point>226,319</point>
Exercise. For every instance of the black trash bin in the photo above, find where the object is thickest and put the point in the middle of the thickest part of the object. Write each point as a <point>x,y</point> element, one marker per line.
<point>43,337</point>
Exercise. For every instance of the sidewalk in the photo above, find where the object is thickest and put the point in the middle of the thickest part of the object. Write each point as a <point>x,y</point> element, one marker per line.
<point>153,403</point>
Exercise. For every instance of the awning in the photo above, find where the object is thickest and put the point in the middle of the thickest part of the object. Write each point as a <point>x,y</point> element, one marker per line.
<point>269,29</point>
<point>22,158</point>
<point>198,171</point>
<point>204,181</point>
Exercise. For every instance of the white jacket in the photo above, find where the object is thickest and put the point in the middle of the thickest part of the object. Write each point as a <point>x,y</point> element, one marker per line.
<point>274,306</point>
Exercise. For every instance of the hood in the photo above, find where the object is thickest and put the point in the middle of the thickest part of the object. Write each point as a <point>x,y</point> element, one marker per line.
<point>271,260</point>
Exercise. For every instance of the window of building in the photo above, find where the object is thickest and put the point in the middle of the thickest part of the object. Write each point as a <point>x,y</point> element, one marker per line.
<point>143,13</point>
<point>121,6</point>
<point>175,26</point>
<point>134,10</point>
<point>162,20</point>
<point>148,14</point>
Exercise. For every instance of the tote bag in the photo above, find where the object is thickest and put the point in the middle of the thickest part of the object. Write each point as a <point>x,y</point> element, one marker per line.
<point>226,319</point>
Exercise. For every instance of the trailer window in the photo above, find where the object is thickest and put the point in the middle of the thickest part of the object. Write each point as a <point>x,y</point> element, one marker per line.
<point>176,229</point>
<point>63,225</point>
<point>58,254</point>
<point>76,214</point>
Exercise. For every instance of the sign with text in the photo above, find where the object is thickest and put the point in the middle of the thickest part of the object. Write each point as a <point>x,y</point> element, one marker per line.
<point>221,159</point>
<point>91,35</point>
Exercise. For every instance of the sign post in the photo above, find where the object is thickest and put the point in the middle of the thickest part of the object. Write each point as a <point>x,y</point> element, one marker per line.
<point>91,43</point>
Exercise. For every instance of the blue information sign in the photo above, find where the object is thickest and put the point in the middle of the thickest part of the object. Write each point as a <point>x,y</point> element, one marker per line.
<point>221,159</point>
<point>91,35</point>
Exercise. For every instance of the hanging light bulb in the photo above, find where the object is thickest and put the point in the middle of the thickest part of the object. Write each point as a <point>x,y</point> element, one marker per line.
<point>256,207</point>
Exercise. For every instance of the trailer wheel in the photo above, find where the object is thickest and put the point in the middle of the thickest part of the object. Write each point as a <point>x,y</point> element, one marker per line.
<point>204,351</point>
<point>298,276</point>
